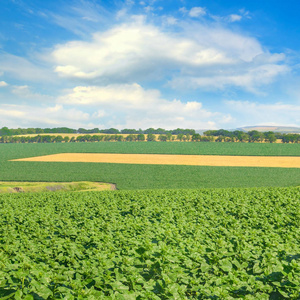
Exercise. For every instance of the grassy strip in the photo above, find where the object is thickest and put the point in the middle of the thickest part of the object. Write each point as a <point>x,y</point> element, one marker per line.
<point>26,187</point>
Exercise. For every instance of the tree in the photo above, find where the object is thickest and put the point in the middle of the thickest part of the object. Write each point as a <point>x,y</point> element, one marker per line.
<point>162,138</point>
<point>131,138</point>
<point>243,137</point>
<point>151,137</point>
<point>220,139</point>
<point>58,139</point>
<point>169,136</point>
<point>128,131</point>
<point>196,137</point>
<point>270,137</point>
<point>141,137</point>
<point>180,137</point>
<point>5,131</point>
<point>256,136</point>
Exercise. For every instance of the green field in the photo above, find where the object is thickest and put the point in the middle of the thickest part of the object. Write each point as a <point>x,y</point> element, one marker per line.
<point>163,243</point>
<point>201,148</point>
<point>130,176</point>
<point>171,244</point>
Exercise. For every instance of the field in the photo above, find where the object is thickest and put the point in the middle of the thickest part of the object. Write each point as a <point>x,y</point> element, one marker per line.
<point>155,241</point>
<point>165,159</point>
<point>171,244</point>
<point>132,176</point>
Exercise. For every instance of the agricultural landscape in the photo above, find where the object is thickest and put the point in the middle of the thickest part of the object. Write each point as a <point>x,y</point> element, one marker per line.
<point>172,230</point>
<point>149,150</point>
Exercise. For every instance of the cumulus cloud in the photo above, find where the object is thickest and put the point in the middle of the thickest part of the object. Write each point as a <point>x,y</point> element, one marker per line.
<point>265,113</point>
<point>134,106</point>
<point>136,51</point>
<point>196,12</point>
<point>132,51</point>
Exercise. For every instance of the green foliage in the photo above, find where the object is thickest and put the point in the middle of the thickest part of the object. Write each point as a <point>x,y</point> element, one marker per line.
<point>198,244</point>
<point>151,137</point>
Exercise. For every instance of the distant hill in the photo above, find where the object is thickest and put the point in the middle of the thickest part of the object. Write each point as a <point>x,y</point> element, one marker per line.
<point>262,128</point>
<point>281,129</point>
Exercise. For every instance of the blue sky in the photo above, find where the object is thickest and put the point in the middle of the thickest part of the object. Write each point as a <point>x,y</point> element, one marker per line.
<point>149,63</point>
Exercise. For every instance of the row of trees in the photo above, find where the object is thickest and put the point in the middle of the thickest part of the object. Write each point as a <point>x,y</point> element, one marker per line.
<point>24,131</point>
<point>252,136</point>
<point>150,137</point>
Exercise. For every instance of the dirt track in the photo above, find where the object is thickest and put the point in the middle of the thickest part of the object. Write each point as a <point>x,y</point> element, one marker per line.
<point>159,159</point>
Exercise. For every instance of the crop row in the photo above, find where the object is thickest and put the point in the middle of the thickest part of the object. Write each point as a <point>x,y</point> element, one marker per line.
<point>197,244</point>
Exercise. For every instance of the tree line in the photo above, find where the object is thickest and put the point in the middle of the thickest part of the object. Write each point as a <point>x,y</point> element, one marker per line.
<point>252,136</point>
<point>150,137</point>
<point>23,131</point>
<point>151,134</point>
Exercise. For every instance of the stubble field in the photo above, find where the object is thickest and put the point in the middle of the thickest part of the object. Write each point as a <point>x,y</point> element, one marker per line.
<point>164,159</point>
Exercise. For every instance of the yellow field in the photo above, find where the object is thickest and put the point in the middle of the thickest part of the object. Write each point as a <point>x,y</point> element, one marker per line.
<point>158,159</point>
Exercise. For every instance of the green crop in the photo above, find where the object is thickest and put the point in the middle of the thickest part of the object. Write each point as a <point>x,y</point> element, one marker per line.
<point>202,148</point>
<point>172,244</point>
<point>130,176</point>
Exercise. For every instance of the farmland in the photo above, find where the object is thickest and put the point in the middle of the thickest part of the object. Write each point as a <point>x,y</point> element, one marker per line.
<point>167,159</point>
<point>170,244</point>
<point>130,176</point>
<point>166,238</point>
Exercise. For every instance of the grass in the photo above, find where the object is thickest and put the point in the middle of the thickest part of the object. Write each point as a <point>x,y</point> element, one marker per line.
<point>129,176</point>
<point>27,187</point>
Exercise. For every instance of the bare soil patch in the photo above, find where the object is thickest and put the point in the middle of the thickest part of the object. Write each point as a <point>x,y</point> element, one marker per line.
<point>163,159</point>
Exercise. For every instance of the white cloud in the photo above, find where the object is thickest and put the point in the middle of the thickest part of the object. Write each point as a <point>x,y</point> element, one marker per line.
<point>170,21</point>
<point>209,56</point>
<point>23,69</point>
<point>254,113</point>
<point>183,10</point>
<point>235,18</point>
<point>199,56</point>
<point>131,52</point>
<point>31,116</point>
<point>3,84</point>
<point>135,107</point>
<point>249,78</point>
<point>196,12</point>
<point>81,18</point>
<point>25,92</point>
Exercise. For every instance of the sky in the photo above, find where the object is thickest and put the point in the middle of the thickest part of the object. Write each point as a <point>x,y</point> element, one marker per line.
<point>151,63</point>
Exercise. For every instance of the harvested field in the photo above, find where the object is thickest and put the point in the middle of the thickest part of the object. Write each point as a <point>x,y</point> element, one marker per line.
<point>158,159</point>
